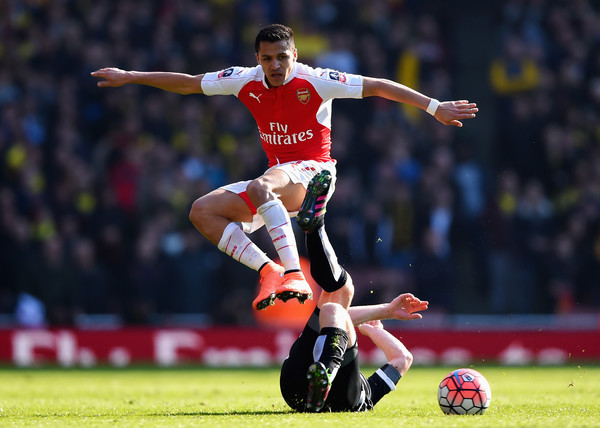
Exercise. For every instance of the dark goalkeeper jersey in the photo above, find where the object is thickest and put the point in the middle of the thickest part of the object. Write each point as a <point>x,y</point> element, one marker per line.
<point>350,391</point>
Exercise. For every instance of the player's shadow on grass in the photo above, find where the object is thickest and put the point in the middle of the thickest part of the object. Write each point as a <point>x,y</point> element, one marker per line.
<point>232,413</point>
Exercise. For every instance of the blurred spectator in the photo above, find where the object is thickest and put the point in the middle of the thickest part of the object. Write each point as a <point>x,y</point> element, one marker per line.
<point>91,280</point>
<point>52,282</point>
<point>369,243</point>
<point>16,253</point>
<point>339,55</point>
<point>435,272</point>
<point>515,70</point>
<point>534,224</point>
<point>499,231</point>
<point>30,311</point>
<point>149,290</point>
<point>562,274</point>
<point>195,271</point>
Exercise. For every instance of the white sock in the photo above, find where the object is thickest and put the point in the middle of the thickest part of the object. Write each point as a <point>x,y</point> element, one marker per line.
<point>279,226</point>
<point>236,244</point>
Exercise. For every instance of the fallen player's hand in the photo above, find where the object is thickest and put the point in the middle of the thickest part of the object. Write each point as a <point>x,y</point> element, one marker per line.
<point>406,307</point>
<point>368,326</point>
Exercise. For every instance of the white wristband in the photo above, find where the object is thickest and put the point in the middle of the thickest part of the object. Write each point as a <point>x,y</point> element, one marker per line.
<point>433,106</point>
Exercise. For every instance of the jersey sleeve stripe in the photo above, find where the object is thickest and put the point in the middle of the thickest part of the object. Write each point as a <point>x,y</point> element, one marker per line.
<point>386,379</point>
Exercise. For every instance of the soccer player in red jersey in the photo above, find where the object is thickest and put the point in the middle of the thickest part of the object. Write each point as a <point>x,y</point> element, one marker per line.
<point>291,103</point>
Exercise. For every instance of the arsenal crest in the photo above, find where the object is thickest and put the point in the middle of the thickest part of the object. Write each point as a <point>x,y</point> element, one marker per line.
<point>303,95</point>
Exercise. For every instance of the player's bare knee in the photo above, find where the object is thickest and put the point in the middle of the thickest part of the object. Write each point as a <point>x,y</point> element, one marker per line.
<point>254,186</point>
<point>346,293</point>
<point>332,314</point>
<point>258,189</point>
<point>343,296</point>
<point>198,212</point>
<point>331,308</point>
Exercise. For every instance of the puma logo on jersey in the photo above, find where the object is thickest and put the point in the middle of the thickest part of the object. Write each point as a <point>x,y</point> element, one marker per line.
<point>255,96</point>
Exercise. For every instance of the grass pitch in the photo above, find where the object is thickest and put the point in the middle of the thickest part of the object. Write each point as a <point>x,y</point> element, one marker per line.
<point>521,397</point>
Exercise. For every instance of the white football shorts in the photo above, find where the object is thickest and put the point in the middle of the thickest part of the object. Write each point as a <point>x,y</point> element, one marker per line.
<point>299,172</point>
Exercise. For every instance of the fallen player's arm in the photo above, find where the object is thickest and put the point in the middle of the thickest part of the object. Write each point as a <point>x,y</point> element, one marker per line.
<point>395,352</point>
<point>404,307</point>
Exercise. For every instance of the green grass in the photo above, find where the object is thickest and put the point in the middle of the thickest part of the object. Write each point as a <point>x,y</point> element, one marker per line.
<point>521,397</point>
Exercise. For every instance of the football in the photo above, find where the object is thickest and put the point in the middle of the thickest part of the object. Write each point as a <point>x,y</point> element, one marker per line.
<point>464,392</point>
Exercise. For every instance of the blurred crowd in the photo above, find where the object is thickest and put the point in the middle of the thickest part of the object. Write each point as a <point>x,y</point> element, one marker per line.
<point>96,184</point>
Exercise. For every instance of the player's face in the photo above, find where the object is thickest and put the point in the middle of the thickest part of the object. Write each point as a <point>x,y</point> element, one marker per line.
<point>277,61</point>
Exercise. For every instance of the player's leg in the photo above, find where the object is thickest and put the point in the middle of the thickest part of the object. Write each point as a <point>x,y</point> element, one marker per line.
<point>213,212</point>
<point>274,194</point>
<point>312,211</point>
<point>348,391</point>
<point>336,329</point>
<point>335,334</point>
<point>326,271</point>
<point>293,382</point>
<point>215,216</point>
<point>324,266</point>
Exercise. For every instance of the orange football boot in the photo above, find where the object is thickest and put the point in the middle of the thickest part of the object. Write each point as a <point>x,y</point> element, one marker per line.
<point>294,285</point>
<point>271,277</point>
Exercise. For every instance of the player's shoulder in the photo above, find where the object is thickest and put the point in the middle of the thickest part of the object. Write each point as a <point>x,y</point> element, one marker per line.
<point>321,74</point>
<point>230,80</point>
<point>330,83</point>
<point>239,72</point>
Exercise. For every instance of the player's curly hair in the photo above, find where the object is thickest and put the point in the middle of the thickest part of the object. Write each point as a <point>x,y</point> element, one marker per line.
<point>275,33</point>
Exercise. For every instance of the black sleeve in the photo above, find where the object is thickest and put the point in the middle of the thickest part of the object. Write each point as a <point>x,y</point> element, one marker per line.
<point>383,381</point>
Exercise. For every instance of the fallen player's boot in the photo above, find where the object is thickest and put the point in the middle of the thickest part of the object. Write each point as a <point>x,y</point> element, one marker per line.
<point>319,385</point>
<point>294,286</point>
<point>271,277</point>
<point>312,210</point>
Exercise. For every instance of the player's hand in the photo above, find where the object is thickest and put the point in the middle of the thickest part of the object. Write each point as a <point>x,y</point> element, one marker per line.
<point>406,307</point>
<point>113,77</point>
<point>369,326</point>
<point>451,112</point>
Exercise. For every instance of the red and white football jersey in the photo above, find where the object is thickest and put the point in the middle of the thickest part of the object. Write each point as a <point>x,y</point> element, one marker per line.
<point>294,119</point>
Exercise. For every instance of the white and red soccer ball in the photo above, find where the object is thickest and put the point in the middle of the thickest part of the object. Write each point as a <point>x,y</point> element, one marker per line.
<point>464,392</point>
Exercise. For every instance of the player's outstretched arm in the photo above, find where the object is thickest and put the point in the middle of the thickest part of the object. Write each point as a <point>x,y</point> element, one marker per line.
<point>395,352</point>
<point>447,112</point>
<point>180,83</point>
<point>404,307</point>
